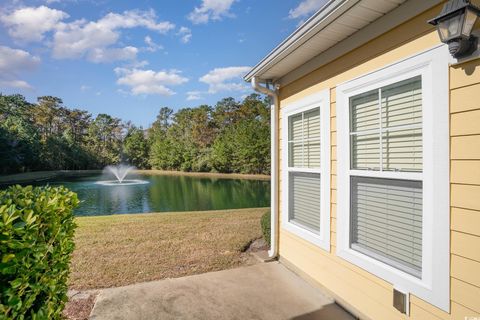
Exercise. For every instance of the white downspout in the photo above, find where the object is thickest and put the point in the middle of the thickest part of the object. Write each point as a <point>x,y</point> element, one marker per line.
<point>273,252</point>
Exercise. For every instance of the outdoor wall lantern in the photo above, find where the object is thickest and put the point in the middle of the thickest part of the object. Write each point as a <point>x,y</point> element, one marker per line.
<point>455,24</point>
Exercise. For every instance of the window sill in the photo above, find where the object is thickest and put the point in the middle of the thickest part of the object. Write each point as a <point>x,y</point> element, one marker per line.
<point>307,235</point>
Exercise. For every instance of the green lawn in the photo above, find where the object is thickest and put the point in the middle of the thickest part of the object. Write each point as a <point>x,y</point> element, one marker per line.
<point>124,249</point>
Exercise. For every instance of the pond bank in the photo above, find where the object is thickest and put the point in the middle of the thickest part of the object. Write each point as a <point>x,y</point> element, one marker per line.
<point>207,174</point>
<point>37,176</point>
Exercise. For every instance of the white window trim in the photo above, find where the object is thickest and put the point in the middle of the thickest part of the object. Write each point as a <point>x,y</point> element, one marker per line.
<point>319,100</point>
<point>434,286</point>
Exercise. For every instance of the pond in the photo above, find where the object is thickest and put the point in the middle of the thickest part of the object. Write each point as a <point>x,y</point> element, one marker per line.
<point>166,193</point>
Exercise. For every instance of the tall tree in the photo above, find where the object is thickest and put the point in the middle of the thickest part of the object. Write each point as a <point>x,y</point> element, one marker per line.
<point>136,148</point>
<point>47,114</point>
<point>105,138</point>
<point>232,136</point>
<point>19,148</point>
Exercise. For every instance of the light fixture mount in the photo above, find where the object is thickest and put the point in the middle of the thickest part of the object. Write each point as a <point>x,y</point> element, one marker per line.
<point>455,24</point>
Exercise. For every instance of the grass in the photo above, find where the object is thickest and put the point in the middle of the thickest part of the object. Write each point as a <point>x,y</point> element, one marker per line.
<point>124,249</point>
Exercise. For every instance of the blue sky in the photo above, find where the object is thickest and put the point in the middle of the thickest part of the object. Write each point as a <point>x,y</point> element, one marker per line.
<point>129,58</point>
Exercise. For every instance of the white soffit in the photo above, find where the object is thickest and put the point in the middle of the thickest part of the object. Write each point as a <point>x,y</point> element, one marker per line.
<point>330,26</point>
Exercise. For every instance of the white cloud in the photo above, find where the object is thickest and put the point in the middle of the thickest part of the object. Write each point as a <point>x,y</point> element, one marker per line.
<point>306,8</point>
<point>13,62</point>
<point>93,39</point>
<point>151,45</point>
<point>135,18</point>
<point>84,88</point>
<point>123,92</point>
<point>194,95</point>
<point>225,79</point>
<point>98,55</point>
<point>211,10</point>
<point>30,24</point>
<point>137,64</point>
<point>149,81</point>
<point>17,84</point>
<point>185,34</point>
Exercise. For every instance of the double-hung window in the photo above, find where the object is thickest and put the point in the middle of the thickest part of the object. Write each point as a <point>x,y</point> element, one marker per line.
<point>393,182</point>
<point>306,167</point>
<point>386,137</point>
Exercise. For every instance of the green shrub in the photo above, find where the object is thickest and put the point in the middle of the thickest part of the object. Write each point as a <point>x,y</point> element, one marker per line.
<point>265,222</point>
<point>36,242</point>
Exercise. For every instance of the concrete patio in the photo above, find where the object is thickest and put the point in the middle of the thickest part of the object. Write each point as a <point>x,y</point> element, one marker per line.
<point>262,291</point>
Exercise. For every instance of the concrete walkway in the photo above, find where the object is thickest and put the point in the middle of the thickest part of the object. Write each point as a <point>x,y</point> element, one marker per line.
<point>262,291</point>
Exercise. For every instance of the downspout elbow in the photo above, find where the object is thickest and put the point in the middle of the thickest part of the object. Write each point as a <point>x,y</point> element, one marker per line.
<point>266,91</point>
<point>274,217</point>
<point>259,88</point>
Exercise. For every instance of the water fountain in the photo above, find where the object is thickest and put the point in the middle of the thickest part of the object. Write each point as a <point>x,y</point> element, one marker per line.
<point>120,172</point>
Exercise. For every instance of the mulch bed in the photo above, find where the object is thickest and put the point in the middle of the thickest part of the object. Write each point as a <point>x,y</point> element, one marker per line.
<point>79,305</point>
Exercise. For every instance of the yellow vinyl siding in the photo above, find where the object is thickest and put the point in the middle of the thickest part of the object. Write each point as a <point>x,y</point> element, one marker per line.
<point>467,221</point>
<point>465,171</point>
<point>466,245</point>
<point>465,196</point>
<point>465,294</point>
<point>462,76</point>
<point>466,270</point>
<point>465,147</point>
<point>333,171</point>
<point>465,98</point>
<point>361,291</point>
<point>465,123</point>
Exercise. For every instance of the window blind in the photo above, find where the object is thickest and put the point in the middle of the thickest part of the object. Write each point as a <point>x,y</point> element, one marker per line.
<point>366,152</point>
<point>312,141</point>
<point>304,200</point>
<point>402,107</point>
<point>402,103</point>
<point>402,150</point>
<point>386,221</point>
<point>364,111</point>
<point>386,128</point>
<point>304,139</point>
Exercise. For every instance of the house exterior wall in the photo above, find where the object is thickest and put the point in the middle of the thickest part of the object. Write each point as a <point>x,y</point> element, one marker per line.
<point>362,292</point>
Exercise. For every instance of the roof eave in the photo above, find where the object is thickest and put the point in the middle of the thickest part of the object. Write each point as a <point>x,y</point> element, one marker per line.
<point>300,33</point>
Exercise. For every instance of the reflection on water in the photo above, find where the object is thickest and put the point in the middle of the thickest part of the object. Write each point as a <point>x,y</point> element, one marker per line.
<point>168,193</point>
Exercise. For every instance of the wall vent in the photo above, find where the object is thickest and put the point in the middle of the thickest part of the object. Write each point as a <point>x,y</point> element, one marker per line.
<point>400,301</point>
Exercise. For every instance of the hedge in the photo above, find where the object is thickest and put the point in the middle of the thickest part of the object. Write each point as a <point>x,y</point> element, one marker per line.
<point>265,223</point>
<point>36,241</point>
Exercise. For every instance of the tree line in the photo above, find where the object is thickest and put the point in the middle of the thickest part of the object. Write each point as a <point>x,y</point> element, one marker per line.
<point>231,137</point>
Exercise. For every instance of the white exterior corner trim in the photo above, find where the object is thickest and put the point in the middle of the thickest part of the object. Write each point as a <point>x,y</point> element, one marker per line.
<point>434,284</point>
<point>321,100</point>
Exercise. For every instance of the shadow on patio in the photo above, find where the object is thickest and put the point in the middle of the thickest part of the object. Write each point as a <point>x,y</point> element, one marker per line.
<point>263,291</point>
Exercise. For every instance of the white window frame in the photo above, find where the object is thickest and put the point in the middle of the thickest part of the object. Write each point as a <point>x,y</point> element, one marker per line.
<point>318,100</point>
<point>432,65</point>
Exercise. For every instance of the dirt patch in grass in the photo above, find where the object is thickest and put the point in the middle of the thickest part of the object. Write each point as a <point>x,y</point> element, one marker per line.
<point>124,249</point>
